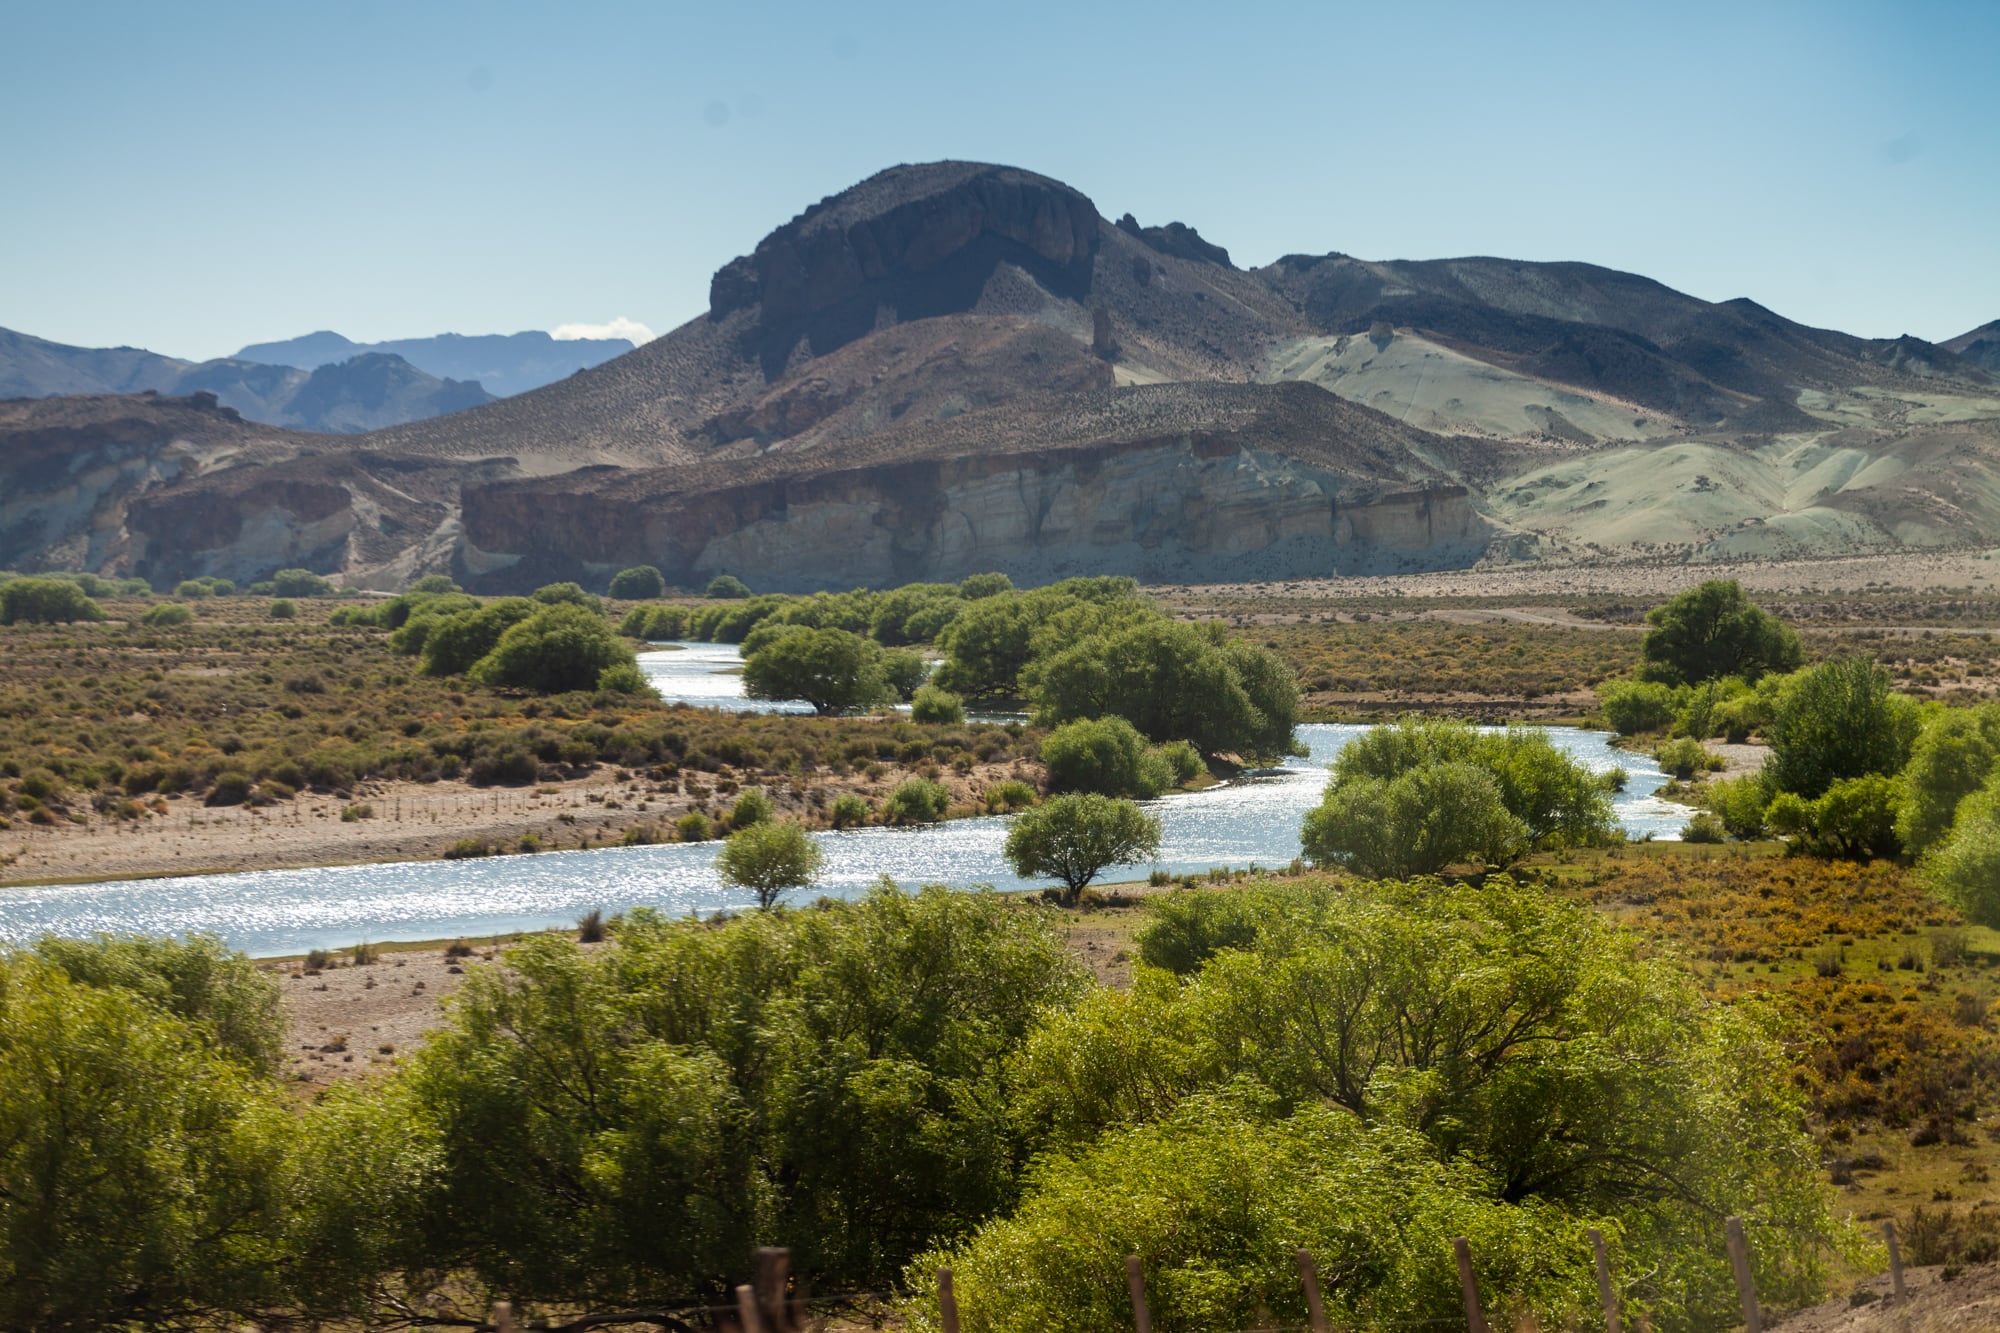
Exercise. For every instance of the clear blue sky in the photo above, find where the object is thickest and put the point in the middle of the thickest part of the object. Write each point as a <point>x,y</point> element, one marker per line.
<point>193,176</point>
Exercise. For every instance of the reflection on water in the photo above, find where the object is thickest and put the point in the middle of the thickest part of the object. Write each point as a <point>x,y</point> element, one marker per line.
<point>1255,819</point>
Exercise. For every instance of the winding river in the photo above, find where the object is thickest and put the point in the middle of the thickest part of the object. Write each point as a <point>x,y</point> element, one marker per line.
<point>1254,820</point>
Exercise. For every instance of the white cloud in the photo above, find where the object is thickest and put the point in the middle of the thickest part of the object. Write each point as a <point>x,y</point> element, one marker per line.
<point>620,327</point>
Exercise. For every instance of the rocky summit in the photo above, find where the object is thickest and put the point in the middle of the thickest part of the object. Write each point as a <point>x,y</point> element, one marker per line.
<point>956,366</point>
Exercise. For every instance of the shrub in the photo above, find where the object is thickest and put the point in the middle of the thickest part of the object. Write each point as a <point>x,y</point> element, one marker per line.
<point>768,858</point>
<point>638,583</point>
<point>849,811</point>
<point>1009,796</point>
<point>560,648</point>
<point>1686,757</point>
<point>931,704</point>
<point>726,587</point>
<point>1704,827</point>
<point>1106,755</point>
<point>973,587</point>
<point>752,807</point>
<point>1633,707</point>
<point>590,927</point>
<point>1739,803</point>
<point>1839,720</point>
<point>453,638</point>
<point>300,583</point>
<point>1183,760</point>
<point>905,672</point>
<point>40,601</point>
<point>1074,837</point>
<point>624,678</point>
<point>434,583</point>
<point>284,609</point>
<point>1414,824</point>
<point>694,826</point>
<point>191,590</point>
<point>916,801</point>
<point>229,789</point>
<point>566,594</point>
<point>166,616</point>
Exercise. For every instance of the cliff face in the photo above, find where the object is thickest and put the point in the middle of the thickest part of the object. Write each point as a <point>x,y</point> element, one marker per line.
<point>1192,508</point>
<point>908,243</point>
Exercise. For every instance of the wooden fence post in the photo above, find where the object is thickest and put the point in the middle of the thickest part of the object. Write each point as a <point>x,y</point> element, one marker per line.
<point>1468,1284</point>
<point>947,1302</point>
<point>1605,1295</point>
<point>773,1269</point>
<point>746,1309</point>
<point>1135,1282</point>
<point>1315,1307</point>
<point>1895,1262</point>
<point>1739,1262</point>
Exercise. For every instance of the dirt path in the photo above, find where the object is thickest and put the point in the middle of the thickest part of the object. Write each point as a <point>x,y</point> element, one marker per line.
<point>347,1022</point>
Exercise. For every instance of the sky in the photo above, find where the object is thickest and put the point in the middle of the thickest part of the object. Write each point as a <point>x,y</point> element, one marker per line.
<point>192,177</point>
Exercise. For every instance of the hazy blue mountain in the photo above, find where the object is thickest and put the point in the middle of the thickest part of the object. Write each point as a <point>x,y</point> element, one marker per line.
<point>504,363</point>
<point>357,393</point>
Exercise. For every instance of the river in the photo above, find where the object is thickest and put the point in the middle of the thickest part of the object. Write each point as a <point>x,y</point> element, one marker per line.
<point>1253,820</point>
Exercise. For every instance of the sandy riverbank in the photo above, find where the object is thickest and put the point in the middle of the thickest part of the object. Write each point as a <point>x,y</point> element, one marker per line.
<point>414,821</point>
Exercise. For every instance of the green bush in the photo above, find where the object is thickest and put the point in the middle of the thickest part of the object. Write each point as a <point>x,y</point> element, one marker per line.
<point>566,594</point>
<point>167,615</point>
<point>1106,755</point>
<point>849,811</point>
<point>1705,827</point>
<point>559,648</point>
<point>299,583</point>
<point>973,587</point>
<point>1740,803</point>
<point>1183,761</point>
<point>625,678</point>
<point>452,639</point>
<point>916,801</point>
<point>726,586</point>
<point>1417,823</point>
<point>834,670</point>
<point>931,704</point>
<point>1964,869</point>
<point>1634,707</point>
<point>1686,757</point>
<point>283,609</point>
<point>905,672</point>
<point>638,584</point>
<point>694,826</point>
<point>1839,720</point>
<point>191,590</point>
<point>40,601</point>
<point>752,807</point>
<point>1009,796</point>
<point>1952,757</point>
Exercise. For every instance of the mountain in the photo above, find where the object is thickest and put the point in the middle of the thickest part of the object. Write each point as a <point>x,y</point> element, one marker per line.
<point>1980,346</point>
<point>359,393</point>
<point>958,366</point>
<point>502,364</point>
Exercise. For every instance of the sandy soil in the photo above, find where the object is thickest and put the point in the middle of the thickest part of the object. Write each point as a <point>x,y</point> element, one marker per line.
<point>412,821</point>
<point>1969,1302</point>
<point>348,1022</point>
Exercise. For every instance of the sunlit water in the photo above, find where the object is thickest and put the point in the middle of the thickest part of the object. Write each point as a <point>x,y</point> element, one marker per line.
<point>1252,820</point>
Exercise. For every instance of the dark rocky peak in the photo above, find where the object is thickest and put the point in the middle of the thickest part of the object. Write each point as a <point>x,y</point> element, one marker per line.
<point>911,242</point>
<point>1980,346</point>
<point>1176,239</point>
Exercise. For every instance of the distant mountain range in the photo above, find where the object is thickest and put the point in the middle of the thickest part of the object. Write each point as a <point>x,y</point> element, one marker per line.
<point>502,363</point>
<point>958,366</point>
<point>360,393</point>
<point>321,382</point>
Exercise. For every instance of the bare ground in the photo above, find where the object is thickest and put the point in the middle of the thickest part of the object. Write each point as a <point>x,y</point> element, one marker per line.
<point>1968,1303</point>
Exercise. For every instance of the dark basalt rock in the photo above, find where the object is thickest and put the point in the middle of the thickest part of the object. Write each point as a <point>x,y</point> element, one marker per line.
<point>909,243</point>
<point>1176,239</point>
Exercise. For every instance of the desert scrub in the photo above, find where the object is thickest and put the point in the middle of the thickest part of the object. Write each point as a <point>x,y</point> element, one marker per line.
<point>116,708</point>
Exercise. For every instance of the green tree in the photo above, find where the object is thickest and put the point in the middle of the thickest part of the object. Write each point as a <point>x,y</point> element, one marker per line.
<point>1713,630</point>
<point>767,858</point>
<point>284,609</point>
<point>37,601</point>
<point>1839,720</point>
<point>557,649</point>
<point>453,642</point>
<point>142,1168</point>
<point>973,587</point>
<point>1074,838</point>
<point>638,583</point>
<point>832,669</point>
<point>726,586</point>
<point>1415,824</point>
<point>916,801</point>
<point>1952,757</point>
<point>566,594</point>
<point>1964,869</point>
<point>219,992</point>
<point>1478,1018</point>
<point>168,615</point>
<point>435,583</point>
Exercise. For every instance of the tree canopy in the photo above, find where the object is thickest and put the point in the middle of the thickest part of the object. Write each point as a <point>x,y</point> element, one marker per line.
<point>39,601</point>
<point>832,669</point>
<point>1074,838</point>
<point>768,857</point>
<point>1714,630</point>
<point>557,649</point>
<point>638,583</point>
